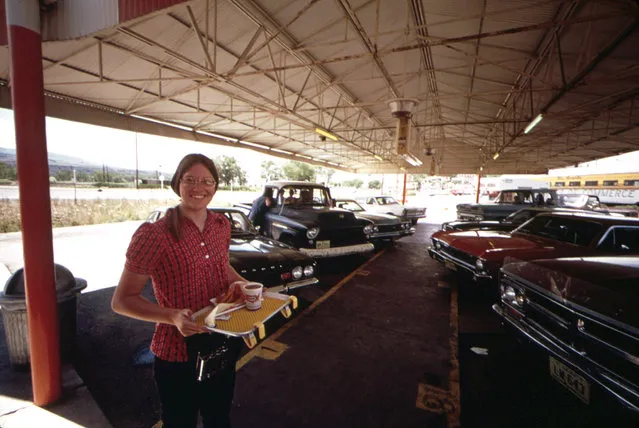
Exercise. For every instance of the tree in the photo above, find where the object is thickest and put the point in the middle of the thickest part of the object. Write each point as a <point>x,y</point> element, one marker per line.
<point>356,183</point>
<point>325,173</point>
<point>230,171</point>
<point>270,171</point>
<point>64,175</point>
<point>7,171</point>
<point>299,171</point>
<point>375,184</point>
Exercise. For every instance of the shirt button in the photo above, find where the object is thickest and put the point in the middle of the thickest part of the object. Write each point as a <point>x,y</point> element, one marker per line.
<point>201,244</point>
<point>206,257</point>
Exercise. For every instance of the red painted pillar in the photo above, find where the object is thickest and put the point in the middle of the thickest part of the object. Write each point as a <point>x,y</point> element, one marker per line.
<point>478,188</point>
<point>404,191</point>
<point>27,95</point>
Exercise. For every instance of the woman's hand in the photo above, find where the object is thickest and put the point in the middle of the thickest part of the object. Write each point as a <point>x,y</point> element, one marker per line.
<point>181,318</point>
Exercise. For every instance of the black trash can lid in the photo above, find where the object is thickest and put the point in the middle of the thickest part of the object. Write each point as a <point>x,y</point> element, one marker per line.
<point>65,283</point>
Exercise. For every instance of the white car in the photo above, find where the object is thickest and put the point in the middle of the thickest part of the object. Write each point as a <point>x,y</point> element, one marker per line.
<point>389,205</point>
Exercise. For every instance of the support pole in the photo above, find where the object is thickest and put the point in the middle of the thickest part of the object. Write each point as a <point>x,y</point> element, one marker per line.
<point>27,95</point>
<point>478,188</point>
<point>404,191</point>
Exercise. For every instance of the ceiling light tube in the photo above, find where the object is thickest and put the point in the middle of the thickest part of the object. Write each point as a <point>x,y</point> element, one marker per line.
<point>534,123</point>
<point>378,157</point>
<point>326,134</point>
<point>495,156</point>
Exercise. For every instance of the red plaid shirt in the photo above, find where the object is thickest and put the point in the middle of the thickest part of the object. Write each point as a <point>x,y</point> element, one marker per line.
<point>185,273</point>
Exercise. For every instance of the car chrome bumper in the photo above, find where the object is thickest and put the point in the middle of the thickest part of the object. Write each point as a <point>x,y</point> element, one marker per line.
<point>460,265</point>
<point>625,393</point>
<point>338,251</point>
<point>293,285</point>
<point>385,235</point>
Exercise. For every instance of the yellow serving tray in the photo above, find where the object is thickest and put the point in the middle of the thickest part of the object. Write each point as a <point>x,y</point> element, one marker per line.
<point>243,323</point>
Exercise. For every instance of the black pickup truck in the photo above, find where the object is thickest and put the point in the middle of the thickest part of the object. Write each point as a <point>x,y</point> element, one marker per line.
<point>302,215</point>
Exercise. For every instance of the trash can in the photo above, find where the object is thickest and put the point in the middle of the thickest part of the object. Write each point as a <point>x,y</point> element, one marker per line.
<point>13,306</point>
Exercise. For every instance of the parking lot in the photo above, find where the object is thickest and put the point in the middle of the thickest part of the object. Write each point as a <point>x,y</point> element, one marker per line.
<point>387,339</point>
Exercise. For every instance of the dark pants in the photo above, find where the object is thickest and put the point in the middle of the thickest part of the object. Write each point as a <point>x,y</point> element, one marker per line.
<point>182,396</point>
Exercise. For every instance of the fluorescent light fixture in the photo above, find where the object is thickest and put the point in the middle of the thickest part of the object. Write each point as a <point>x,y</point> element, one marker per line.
<point>378,157</point>
<point>284,152</point>
<point>534,123</point>
<point>481,168</point>
<point>163,122</point>
<point>332,163</point>
<point>248,143</point>
<point>326,134</point>
<point>411,159</point>
<point>495,156</point>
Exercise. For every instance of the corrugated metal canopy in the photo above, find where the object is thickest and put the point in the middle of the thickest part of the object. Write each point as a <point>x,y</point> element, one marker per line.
<point>266,74</point>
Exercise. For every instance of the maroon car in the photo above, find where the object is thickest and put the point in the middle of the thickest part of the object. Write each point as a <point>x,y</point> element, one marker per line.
<point>481,253</point>
<point>582,315</point>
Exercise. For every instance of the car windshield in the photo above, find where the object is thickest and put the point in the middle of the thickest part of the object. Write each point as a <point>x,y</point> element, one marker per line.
<point>386,200</point>
<point>305,196</point>
<point>565,229</point>
<point>350,205</point>
<point>240,223</point>
<point>520,216</point>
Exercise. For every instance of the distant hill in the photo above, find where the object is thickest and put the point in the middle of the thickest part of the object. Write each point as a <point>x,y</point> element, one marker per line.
<point>58,162</point>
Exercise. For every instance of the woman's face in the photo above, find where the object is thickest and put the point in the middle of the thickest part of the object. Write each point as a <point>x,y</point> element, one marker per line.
<point>197,187</point>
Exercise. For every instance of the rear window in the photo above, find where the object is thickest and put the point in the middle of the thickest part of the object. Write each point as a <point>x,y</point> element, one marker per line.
<point>576,231</point>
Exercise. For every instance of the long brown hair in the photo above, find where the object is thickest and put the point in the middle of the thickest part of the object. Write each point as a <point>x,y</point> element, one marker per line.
<point>173,214</point>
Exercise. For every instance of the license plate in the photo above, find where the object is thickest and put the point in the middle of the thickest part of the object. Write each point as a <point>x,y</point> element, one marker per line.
<point>570,380</point>
<point>450,265</point>
<point>323,244</point>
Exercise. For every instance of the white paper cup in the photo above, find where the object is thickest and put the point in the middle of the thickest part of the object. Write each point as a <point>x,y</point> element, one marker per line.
<point>252,292</point>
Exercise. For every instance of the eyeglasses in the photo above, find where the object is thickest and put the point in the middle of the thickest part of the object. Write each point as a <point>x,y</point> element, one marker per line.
<point>192,181</point>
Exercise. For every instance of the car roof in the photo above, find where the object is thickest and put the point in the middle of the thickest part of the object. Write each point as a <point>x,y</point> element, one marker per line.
<point>593,215</point>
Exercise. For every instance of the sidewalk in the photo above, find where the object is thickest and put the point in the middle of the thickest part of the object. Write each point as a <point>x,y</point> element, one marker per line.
<point>76,408</point>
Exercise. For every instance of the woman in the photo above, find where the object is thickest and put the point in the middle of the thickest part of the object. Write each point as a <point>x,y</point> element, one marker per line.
<point>186,255</point>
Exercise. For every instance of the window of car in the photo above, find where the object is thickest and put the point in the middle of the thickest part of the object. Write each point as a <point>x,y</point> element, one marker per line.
<point>239,222</point>
<point>386,200</point>
<point>621,239</point>
<point>350,205</point>
<point>576,231</point>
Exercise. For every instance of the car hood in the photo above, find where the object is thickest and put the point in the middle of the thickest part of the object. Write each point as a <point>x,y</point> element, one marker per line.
<point>491,243</point>
<point>467,225</point>
<point>322,216</point>
<point>252,250</point>
<point>605,285</point>
<point>378,218</point>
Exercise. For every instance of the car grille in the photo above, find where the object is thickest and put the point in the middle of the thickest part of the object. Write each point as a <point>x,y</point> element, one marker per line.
<point>457,254</point>
<point>389,228</point>
<point>341,237</point>
<point>603,344</point>
<point>414,212</point>
<point>268,277</point>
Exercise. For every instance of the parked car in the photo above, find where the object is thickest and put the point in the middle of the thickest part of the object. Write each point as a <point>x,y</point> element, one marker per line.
<point>278,266</point>
<point>582,314</point>
<point>388,205</point>
<point>512,200</point>
<point>510,222</point>
<point>386,227</point>
<point>508,201</point>
<point>481,253</point>
<point>302,215</point>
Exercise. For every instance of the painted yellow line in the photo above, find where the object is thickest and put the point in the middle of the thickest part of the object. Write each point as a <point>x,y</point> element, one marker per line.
<point>255,351</point>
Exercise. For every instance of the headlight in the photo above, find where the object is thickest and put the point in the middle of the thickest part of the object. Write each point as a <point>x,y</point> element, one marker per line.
<point>309,270</point>
<point>297,272</point>
<point>375,229</point>
<point>508,294</point>
<point>312,232</point>
<point>479,264</point>
<point>368,229</point>
<point>438,245</point>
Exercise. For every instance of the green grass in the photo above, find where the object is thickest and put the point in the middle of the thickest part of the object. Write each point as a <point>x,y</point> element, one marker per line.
<point>68,213</point>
